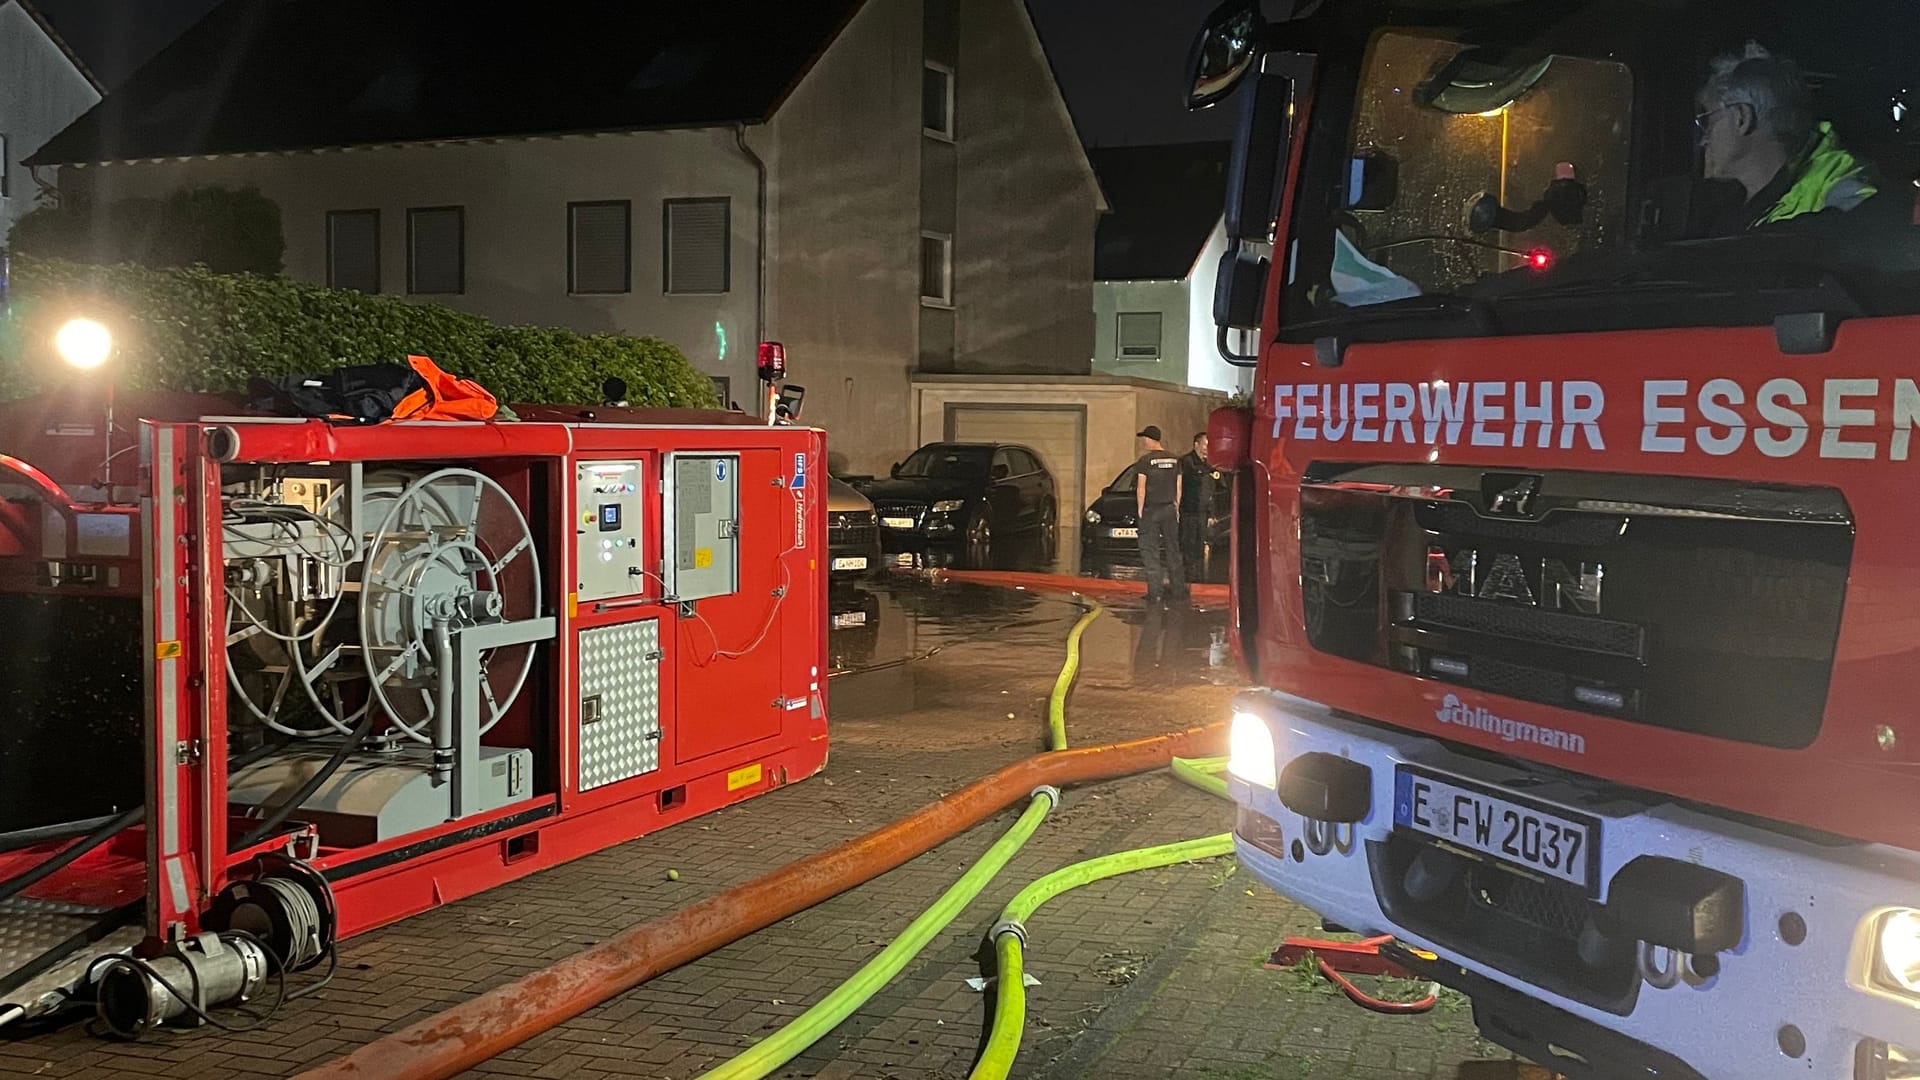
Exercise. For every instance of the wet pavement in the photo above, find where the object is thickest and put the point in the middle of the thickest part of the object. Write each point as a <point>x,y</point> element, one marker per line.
<point>1156,974</point>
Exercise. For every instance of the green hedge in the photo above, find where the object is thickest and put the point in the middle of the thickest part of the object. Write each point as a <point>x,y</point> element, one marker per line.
<point>191,329</point>
<point>229,232</point>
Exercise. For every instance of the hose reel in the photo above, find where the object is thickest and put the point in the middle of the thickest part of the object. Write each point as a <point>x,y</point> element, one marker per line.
<point>449,549</point>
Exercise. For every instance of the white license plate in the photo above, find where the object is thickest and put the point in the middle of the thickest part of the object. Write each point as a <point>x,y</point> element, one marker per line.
<point>897,523</point>
<point>1124,534</point>
<point>851,618</point>
<point>1521,832</point>
<point>850,562</point>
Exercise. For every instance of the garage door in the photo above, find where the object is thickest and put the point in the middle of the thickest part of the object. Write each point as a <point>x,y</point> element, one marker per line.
<point>1057,433</point>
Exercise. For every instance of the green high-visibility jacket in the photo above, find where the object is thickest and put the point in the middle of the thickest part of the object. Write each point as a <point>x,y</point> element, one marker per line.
<point>1825,177</point>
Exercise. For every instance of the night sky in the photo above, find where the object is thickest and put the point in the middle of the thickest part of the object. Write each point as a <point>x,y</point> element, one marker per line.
<point>1120,62</point>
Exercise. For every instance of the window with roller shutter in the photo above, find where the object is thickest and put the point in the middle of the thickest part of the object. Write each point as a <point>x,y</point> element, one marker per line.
<point>353,250</point>
<point>599,248</point>
<point>1139,335</point>
<point>436,250</point>
<point>936,269</point>
<point>697,240</point>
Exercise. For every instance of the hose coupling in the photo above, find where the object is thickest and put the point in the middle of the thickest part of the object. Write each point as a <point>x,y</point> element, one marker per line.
<point>1011,926</point>
<point>1052,793</point>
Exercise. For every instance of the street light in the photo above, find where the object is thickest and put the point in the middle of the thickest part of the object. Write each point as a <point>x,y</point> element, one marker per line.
<point>86,345</point>
<point>83,343</point>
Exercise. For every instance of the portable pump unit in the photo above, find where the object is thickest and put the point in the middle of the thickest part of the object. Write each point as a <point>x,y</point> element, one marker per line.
<point>288,681</point>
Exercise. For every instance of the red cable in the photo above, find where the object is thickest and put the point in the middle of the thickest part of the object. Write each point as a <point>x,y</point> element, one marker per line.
<point>1368,1001</point>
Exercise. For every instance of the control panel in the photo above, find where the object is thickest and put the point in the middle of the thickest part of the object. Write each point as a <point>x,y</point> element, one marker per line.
<point>702,533</point>
<point>609,552</point>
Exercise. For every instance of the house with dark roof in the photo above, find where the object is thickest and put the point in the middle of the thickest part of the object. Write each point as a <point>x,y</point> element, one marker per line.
<point>43,87</point>
<point>892,188</point>
<point>1154,262</point>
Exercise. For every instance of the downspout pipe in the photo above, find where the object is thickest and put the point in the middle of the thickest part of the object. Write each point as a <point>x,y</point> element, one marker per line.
<point>478,1029</point>
<point>760,248</point>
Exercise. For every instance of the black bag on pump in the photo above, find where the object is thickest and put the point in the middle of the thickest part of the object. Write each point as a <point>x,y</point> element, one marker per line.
<point>360,394</point>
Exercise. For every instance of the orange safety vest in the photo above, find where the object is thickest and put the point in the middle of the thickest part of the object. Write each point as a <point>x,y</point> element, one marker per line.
<point>444,397</point>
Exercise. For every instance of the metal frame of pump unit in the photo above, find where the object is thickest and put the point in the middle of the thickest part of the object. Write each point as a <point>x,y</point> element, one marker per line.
<point>179,537</point>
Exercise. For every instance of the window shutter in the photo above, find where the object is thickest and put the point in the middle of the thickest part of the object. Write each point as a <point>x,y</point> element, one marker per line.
<point>436,250</point>
<point>599,241</point>
<point>936,269</point>
<point>936,101</point>
<point>353,250</point>
<point>697,240</point>
<point>1139,334</point>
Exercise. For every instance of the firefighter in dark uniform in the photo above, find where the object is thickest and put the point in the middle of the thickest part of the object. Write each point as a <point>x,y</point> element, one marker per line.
<point>1156,496</point>
<point>1196,501</point>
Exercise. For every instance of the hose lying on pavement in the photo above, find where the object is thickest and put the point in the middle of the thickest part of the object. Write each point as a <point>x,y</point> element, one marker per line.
<point>811,1026</point>
<point>1203,773</point>
<point>1010,935</point>
<point>1057,701</point>
<point>476,1030</point>
<point>1202,595</point>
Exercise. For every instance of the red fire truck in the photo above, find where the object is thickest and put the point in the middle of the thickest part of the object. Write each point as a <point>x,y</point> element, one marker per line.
<point>1574,512</point>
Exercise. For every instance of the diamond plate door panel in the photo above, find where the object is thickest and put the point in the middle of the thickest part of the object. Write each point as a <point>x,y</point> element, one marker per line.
<point>619,702</point>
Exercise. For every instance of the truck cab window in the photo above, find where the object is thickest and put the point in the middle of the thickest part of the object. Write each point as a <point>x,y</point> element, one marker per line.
<point>1568,121</point>
<point>1608,165</point>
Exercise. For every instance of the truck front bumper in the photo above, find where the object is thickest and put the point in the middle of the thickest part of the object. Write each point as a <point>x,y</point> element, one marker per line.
<point>1783,983</point>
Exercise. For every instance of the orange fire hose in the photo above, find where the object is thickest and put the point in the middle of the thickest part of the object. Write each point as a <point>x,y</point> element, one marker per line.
<point>476,1030</point>
<point>1202,595</point>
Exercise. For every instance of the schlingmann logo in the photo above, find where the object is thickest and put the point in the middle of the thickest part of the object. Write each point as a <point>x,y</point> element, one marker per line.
<point>1459,713</point>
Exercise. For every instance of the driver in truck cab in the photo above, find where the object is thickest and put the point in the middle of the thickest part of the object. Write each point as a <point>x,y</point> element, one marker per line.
<point>1757,129</point>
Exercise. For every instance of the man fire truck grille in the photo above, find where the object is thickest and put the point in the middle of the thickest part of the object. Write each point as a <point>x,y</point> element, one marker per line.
<point>1694,605</point>
<point>1573,632</point>
<point>850,528</point>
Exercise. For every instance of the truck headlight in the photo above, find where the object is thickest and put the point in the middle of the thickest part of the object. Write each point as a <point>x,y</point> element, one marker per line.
<point>1250,751</point>
<point>1093,517</point>
<point>1897,952</point>
<point>948,506</point>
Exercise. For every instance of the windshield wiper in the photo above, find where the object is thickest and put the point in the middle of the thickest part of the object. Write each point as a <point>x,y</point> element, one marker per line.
<point>1823,287</point>
<point>1429,312</point>
<point>1448,307</point>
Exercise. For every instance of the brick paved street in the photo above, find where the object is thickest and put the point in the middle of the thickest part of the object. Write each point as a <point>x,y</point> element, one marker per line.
<point>1148,975</point>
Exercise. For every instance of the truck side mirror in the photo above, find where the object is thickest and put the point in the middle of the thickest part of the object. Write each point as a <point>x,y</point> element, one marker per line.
<point>1228,45</point>
<point>1373,180</point>
<point>1255,176</point>
<point>895,471</point>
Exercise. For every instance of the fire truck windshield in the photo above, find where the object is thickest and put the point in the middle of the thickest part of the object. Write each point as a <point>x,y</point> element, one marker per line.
<point>1614,164</point>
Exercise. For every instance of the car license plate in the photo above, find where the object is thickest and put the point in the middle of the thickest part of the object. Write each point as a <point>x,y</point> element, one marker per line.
<point>1518,831</point>
<point>850,562</point>
<point>897,523</point>
<point>1124,534</point>
<point>850,618</point>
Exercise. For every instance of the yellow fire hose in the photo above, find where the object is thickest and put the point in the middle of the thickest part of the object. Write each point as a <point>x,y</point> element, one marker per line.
<point>1057,702</point>
<point>803,1031</point>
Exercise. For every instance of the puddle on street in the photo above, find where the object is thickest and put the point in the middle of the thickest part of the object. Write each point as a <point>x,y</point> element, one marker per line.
<point>885,630</point>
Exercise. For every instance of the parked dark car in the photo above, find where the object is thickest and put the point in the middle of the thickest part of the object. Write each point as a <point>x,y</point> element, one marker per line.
<point>964,494</point>
<point>1112,530</point>
<point>853,534</point>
